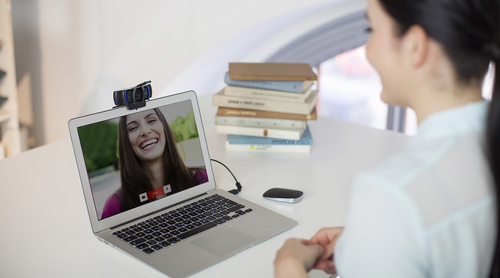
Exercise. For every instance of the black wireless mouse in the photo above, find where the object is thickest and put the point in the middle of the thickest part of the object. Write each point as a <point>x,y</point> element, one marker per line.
<point>284,195</point>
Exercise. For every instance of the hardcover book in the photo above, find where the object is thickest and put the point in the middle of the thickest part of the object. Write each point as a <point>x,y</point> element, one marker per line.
<point>266,94</point>
<point>271,71</point>
<point>235,112</point>
<point>284,86</point>
<point>253,143</point>
<point>270,148</point>
<point>221,99</point>
<point>260,122</point>
<point>293,134</point>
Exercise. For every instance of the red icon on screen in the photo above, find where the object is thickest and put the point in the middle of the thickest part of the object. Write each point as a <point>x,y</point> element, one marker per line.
<point>155,193</point>
<point>152,194</point>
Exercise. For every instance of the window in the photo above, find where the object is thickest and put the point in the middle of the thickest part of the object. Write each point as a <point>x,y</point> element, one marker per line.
<point>350,90</point>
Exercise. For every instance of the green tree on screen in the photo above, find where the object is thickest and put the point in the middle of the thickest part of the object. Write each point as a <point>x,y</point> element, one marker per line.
<point>99,144</point>
<point>185,128</point>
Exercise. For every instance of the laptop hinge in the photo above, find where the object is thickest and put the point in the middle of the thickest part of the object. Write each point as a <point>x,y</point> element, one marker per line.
<point>156,211</point>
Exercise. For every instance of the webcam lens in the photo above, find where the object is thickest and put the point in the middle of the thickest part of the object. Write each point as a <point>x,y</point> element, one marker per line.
<point>138,94</point>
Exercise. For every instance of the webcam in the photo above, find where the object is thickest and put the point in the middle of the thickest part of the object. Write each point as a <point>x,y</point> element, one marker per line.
<point>134,97</point>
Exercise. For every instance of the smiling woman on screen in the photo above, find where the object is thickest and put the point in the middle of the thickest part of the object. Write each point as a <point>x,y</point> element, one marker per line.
<point>150,164</point>
<point>431,211</point>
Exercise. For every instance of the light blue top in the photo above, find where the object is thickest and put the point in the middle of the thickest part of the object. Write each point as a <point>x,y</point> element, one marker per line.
<point>426,212</point>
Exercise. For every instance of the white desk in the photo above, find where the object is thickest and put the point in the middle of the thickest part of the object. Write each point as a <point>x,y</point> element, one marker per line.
<point>45,230</point>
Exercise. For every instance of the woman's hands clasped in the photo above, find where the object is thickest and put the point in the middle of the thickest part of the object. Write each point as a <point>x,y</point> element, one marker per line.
<point>297,256</point>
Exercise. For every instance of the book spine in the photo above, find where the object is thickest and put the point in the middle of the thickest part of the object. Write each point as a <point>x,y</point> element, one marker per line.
<point>253,131</point>
<point>265,94</point>
<point>235,112</point>
<point>305,139</point>
<point>273,77</point>
<point>260,122</point>
<point>252,140</point>
<point>305,108</point>
<point>286,86</point>
<point>270,148</point>
<point>272,71</point>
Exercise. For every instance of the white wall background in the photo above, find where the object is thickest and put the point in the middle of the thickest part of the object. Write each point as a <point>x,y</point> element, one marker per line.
<point>71,55</point>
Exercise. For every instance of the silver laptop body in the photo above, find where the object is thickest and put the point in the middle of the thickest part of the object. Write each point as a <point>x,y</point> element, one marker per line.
<point>97,149</point>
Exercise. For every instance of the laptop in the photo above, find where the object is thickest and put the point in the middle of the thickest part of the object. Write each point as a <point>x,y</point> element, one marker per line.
<point>150,190</point>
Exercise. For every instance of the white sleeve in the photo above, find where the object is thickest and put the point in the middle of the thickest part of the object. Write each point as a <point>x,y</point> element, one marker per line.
<point>383,235</point>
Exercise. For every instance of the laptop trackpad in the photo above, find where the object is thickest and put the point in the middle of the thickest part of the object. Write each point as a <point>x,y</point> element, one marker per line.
<point>223,241</point>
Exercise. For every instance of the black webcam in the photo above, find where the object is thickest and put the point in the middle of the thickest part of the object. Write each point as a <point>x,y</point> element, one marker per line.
<point>134,97</point>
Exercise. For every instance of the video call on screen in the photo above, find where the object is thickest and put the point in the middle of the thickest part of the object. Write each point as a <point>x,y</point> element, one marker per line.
<point>142,140</point>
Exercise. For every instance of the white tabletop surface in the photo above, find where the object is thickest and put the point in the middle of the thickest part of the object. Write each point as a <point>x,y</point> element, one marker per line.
<point>45,230</point>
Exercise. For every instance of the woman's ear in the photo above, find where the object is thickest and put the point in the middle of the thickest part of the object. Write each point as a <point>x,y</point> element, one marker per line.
<point>416,45</point>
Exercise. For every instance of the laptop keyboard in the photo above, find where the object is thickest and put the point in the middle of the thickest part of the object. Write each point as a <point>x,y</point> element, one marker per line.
<point>169,228</point>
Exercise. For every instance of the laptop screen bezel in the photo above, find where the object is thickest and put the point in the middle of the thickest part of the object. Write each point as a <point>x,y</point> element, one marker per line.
<point>141,211</point>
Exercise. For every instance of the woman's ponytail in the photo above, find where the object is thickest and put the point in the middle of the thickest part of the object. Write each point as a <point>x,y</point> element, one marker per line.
<point>493,148</point>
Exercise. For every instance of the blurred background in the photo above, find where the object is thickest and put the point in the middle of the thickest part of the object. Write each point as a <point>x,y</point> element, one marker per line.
<point>70,55</point>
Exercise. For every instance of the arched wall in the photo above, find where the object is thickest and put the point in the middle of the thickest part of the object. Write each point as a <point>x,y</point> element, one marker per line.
<point>70,55</point>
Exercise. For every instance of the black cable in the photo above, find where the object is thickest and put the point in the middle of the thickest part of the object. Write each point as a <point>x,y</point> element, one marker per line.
<point>238,185</point>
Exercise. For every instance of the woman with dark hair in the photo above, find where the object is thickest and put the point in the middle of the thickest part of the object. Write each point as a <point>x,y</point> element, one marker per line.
<point>431,211</point>
<point>149,160</point>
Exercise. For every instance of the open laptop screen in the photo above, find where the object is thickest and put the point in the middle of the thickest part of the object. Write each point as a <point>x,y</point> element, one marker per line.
<point>142,157</point>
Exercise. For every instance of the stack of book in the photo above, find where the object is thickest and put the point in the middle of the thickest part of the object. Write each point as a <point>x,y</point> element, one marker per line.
<point>266,106</point>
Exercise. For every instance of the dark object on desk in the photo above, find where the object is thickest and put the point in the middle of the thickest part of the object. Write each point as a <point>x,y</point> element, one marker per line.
<point>238,185</point>
<point>2,73</point>
<point>284,195</point>
<point>3,100</point>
